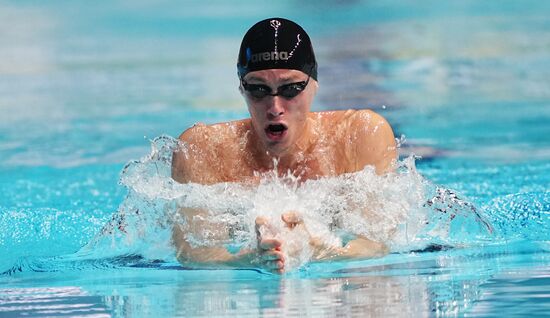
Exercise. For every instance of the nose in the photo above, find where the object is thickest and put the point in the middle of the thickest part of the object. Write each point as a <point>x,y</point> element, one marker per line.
<point>276,107</point>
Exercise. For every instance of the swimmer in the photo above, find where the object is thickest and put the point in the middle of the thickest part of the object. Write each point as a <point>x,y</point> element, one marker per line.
<point>277,71</point>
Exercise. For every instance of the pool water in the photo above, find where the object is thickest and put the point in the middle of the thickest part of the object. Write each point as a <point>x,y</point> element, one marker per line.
<point>87,90</point>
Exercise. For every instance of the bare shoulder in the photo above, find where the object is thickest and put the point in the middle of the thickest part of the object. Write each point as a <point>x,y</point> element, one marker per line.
<point>365,136</point>
<point>197,157</point>
<point>355,122</point>
<point>371,124</point>
<point>375,141</point>
<point>194,134</point>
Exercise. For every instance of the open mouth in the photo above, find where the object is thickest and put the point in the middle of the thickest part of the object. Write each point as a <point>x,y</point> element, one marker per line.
<point>276,131</point>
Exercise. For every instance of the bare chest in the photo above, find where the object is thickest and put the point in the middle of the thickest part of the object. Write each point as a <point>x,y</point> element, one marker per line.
<point>320,162</point>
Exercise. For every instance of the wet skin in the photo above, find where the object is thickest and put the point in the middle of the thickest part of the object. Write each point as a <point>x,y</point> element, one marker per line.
<point>310,145</point>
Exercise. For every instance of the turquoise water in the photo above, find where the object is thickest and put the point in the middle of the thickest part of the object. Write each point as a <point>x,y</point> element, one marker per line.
<point>85,88</point>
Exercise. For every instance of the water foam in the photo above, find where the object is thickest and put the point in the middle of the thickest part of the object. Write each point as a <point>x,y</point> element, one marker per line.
<point>401,209</point>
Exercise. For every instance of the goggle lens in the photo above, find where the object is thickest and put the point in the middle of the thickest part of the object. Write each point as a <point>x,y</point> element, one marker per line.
<point>290,90</point>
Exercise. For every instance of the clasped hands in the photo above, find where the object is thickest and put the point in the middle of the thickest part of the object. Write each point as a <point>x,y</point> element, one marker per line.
<point>272,253</point>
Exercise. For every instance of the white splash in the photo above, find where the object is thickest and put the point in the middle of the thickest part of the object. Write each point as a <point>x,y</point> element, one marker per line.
<point>400,209</point>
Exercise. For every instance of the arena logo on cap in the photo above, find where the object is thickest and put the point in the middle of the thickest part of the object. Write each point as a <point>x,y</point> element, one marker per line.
<point>269,56</point>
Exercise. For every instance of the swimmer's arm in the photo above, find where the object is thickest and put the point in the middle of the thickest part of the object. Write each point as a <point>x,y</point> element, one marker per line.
<point>267,255</point>
<point>372,144</point>
<point>359,248</point>
<point>189,164</point>
<point>375,146</point>
<point>205,257</point>
<point>191,159</point>
<point>375,143</point>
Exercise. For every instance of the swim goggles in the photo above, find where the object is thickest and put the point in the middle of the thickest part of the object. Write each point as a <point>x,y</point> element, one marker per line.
<point>289,90</point>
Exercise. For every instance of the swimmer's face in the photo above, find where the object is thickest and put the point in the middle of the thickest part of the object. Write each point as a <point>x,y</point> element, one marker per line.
<point>278,121</point>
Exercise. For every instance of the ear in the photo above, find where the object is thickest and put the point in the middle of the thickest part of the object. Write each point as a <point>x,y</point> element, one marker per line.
<point>241,89</point>
<point>315,87</point>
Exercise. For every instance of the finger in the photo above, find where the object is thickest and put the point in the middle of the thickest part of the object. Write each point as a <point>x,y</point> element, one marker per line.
<point>274,265</point>
<point>260,221</point>
<point>268,244</point>
<point>315,242</point>
<point>272,255</point>
<point>292,218</point>
<point>263,225</point>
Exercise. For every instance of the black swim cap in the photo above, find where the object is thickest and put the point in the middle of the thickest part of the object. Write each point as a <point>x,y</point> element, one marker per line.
<point>276,43</point>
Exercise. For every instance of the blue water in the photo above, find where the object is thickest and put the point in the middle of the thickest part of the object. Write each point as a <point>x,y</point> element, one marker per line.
<point>85,88</point>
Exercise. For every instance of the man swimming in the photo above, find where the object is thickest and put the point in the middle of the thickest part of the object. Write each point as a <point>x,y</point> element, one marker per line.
<point>278,80</point>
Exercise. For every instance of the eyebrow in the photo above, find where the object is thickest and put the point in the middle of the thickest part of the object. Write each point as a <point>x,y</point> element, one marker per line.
<point>255,78</point>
